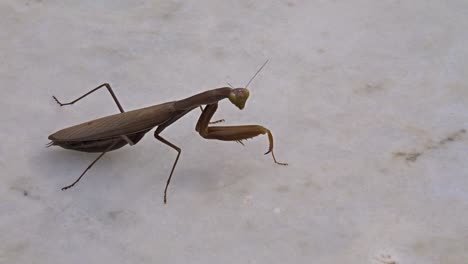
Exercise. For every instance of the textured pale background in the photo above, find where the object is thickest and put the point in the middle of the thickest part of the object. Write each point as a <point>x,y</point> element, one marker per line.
<point>353,91</point>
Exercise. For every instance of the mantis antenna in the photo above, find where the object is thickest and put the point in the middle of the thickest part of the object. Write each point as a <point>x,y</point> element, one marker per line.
<point>255,75</point>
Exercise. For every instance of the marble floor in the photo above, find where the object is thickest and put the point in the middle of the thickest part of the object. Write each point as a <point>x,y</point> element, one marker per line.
<point>367,102</point>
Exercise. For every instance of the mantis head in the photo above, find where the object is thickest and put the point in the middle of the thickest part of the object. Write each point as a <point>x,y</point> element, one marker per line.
<point>238,96</point>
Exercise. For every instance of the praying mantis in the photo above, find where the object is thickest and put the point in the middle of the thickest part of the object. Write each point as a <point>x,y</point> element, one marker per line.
<point>115,131</point>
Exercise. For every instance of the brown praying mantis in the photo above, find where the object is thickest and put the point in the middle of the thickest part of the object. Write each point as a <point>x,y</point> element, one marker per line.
<point>115,131</point>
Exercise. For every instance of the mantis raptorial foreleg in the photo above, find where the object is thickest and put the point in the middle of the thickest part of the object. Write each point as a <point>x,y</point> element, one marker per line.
<point>231,133</point>
<point>93,90</point>
<point>213,122</point>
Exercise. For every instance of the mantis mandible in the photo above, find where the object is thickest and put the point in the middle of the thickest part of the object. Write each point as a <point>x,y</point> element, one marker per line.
<point>115,131</point>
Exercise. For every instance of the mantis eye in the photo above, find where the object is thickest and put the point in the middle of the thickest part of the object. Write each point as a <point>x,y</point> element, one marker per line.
<point>238,97</point>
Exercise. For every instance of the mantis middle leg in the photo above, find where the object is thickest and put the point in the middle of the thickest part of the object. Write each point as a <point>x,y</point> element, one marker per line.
<point>166,142</point>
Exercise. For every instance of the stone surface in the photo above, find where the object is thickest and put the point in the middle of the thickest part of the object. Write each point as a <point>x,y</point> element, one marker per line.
<point>367,100</point>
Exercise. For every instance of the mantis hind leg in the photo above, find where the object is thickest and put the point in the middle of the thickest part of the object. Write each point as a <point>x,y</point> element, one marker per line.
<point>232,133</point>
<point>90,165</point>
<point>93,90</point>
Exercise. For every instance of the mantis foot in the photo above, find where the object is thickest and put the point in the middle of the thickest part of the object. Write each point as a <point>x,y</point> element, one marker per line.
<point>58,102</point>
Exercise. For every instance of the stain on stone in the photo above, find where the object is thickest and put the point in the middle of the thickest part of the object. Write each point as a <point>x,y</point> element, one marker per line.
<point>243,191</point>
<point>220,53</point>
<point>247,200</point>
<point>455,136</point>
<point>167,16</point>
<point>383,171</point>
<point>23,191</point>
<point>458,90</point>
<point>249,226</point>
<point>171,10</point>
<point>303,244</point>
<point>324,34</point>
<point>369,88</point>
<point>282,189</point>
<point>443,249</point>
<point>386,259</point>
<point>28,3</point>
<point>291,4</point>
<point>413,156</point>
<point>250,5</point>
<point>321,51</point>
<point>312,184</point>
<point>114,214</point>
<point>122,216</point>
<point>14,252</point>
<point>304,247</point>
